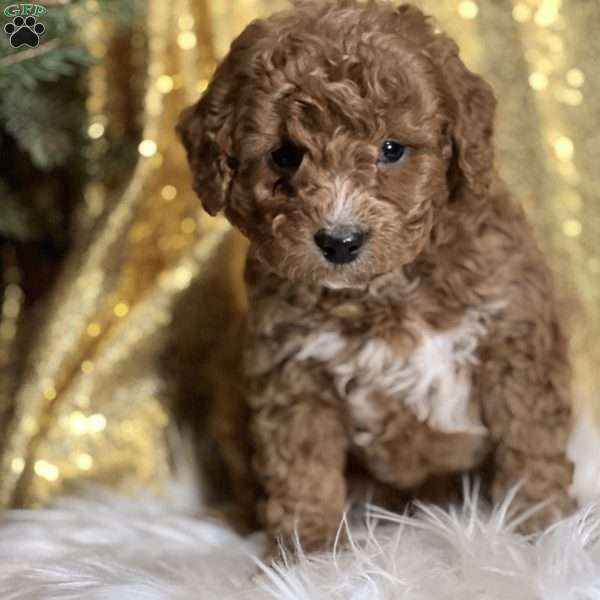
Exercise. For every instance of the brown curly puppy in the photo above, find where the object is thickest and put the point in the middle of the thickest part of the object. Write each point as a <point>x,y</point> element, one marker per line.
<point>401,312</point>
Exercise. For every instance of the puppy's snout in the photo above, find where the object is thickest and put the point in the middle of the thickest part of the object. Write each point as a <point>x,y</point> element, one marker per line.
<point>341,244</point>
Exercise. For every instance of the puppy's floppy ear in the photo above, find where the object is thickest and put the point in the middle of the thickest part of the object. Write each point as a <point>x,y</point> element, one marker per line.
<point>470,100</point>
<point>472,126</point>
<point>205,131</point>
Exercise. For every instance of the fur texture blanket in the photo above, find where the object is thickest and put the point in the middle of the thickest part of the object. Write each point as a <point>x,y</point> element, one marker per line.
<point>103,547</point>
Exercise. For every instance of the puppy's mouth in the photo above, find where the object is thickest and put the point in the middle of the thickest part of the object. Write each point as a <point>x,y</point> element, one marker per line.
<point>341,244</point>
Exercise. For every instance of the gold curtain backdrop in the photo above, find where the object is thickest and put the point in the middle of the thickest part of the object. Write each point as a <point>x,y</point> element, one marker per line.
<point>96,402</point>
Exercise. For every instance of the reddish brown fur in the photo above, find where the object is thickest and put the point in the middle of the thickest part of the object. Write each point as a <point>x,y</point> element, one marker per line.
<point>337,79</point>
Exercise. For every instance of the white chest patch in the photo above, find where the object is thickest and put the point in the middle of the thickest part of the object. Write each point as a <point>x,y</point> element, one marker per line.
<point>434,381</point>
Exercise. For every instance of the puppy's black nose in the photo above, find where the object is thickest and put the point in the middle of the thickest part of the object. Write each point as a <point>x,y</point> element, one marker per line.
<point>340,245</point>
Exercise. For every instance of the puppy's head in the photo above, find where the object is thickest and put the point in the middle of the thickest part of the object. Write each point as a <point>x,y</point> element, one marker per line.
<point>332,135</point>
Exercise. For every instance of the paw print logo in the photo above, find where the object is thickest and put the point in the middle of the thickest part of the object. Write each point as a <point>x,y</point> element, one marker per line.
<point>24,32</point>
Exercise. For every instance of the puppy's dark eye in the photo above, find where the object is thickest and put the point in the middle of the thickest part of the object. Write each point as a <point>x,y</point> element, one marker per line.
<point>287,157</point>
<point>391,151</point>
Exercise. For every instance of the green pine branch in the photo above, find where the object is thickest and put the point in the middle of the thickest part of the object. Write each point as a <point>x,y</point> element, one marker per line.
<point>40,124</point>
<point>28,110</point>
<point>42,107</point>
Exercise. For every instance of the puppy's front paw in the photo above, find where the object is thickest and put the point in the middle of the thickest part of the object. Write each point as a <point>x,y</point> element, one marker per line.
<point>539,516</point>
<point>313,529</point>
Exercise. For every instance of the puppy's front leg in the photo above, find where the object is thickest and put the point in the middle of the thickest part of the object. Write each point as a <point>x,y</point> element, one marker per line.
<point>524,385</point>
<point>300,455</point>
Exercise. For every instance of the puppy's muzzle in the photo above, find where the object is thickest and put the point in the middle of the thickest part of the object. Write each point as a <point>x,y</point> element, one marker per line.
<point>340,245</point>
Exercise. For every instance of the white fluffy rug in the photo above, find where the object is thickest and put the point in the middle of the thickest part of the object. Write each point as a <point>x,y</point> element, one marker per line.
<point>104,547</point>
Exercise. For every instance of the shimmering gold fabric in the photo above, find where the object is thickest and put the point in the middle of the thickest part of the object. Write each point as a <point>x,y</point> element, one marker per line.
<point>94,403</point>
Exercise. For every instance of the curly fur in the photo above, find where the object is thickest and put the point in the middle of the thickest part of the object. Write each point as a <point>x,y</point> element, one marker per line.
<point>440,349</point>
